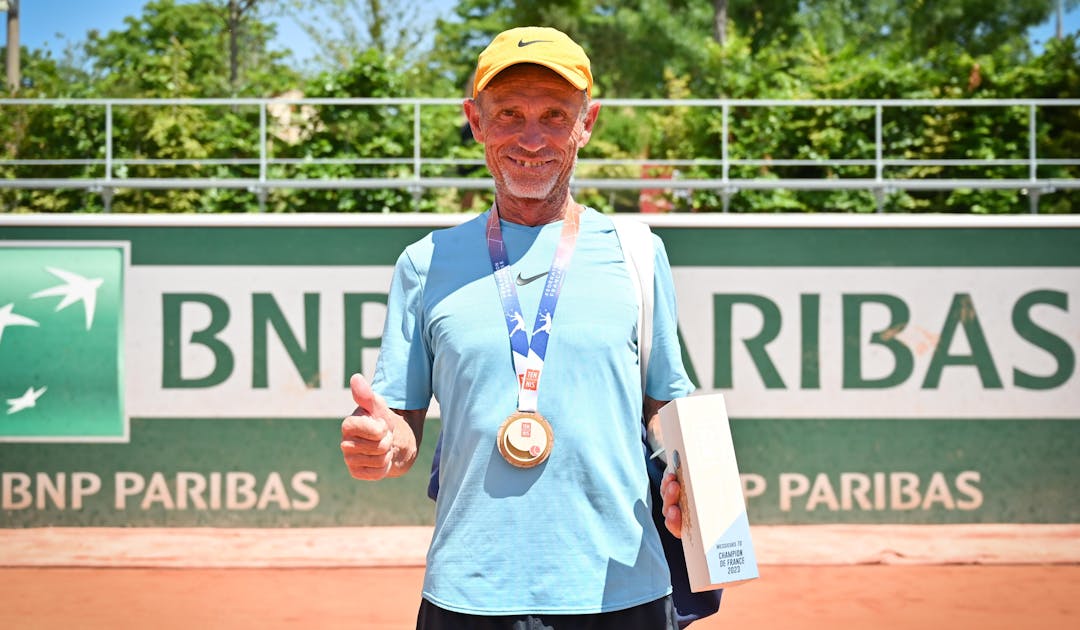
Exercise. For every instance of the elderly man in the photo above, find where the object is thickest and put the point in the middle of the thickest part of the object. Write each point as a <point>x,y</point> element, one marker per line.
<point>543,516</point>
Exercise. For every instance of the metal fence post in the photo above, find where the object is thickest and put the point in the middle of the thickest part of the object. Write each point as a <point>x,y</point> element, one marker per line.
<point>1033,162</point>
<point>260,193</point>
<point>416,189</point>
<point>879,165</point>
<point>724,160</point>
<point>106,189</point>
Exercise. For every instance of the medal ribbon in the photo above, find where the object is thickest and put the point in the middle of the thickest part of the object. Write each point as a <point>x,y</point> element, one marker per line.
<point>529,350</point>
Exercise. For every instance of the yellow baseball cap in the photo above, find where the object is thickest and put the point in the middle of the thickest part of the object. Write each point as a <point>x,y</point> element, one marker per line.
<point>534,44</point>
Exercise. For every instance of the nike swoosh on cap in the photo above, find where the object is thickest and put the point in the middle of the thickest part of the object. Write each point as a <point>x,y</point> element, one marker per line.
<point>522,43</point>
<point>523,281</point>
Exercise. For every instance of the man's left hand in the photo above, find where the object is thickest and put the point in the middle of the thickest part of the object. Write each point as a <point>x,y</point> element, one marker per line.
<point>671,492</point>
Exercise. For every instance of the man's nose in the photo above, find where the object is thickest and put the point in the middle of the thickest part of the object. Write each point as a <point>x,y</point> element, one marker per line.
<point>531,137</point>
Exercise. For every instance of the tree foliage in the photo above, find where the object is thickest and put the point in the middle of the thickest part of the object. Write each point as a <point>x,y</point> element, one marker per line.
<point>343,30</point>
<point>171,50</point>
<point>352,134</point>
<point>771,49</point>
<point>176,47</point>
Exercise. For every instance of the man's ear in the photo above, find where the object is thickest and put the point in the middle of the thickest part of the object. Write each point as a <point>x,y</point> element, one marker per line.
<point>589,123</point>
<point>472,114</point>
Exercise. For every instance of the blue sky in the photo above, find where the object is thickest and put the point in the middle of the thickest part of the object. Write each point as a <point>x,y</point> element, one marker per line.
<point>41,20</point>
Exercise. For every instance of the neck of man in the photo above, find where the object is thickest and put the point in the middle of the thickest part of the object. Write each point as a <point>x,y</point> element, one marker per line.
<point>533,212</point>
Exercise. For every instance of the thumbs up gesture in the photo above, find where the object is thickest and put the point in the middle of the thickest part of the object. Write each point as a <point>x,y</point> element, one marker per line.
<point>367,436</point>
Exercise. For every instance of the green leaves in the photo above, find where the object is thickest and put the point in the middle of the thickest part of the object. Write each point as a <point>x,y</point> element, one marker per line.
<point>774,49</point>
<point>835,49</point>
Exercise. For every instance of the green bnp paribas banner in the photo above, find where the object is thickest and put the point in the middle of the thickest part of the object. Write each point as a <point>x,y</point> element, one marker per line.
<point>186,371</point>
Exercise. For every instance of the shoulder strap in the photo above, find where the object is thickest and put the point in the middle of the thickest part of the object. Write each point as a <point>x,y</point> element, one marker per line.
<point>636,241</point>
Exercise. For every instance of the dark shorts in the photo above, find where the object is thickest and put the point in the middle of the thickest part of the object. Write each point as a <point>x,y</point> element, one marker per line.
<point>654,615</point>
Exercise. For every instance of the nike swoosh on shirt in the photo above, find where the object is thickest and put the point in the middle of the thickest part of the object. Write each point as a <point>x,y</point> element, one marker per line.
<point>523,281</point>
<point>522,43</point>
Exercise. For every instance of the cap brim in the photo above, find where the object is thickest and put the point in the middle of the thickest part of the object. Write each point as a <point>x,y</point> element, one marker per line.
<point>573,77</point>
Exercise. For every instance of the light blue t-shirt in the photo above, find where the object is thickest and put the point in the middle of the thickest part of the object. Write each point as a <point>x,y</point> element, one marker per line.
<point>573,535</point>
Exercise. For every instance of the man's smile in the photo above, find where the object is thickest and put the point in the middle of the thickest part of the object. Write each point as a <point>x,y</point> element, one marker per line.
<point>531,163</point>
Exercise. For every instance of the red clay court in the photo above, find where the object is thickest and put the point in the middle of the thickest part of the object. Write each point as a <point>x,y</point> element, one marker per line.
<point>319,583</point>
<point>882,597</point>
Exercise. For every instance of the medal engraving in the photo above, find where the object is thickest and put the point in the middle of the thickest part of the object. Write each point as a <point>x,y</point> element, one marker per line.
<point>525,439</point>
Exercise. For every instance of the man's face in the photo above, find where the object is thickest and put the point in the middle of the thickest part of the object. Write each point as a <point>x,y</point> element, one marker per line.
<point>531,123</point>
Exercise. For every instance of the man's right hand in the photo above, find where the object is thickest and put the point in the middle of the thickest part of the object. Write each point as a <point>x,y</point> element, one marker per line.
<point>367,436</point>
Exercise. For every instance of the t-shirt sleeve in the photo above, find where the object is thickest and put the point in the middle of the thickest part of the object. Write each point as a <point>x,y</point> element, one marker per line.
<point>666,378</point>
<point>403,372</point>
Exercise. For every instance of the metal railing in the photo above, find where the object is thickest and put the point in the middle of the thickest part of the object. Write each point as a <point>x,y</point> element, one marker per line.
<point>727,184</point>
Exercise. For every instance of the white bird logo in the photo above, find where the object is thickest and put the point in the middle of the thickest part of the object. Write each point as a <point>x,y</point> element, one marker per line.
<point>76,289</point>
<point>9,318</point>
<point>27,400</point>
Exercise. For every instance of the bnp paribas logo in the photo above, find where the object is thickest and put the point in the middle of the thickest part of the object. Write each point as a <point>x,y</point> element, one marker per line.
<point>61,342</point>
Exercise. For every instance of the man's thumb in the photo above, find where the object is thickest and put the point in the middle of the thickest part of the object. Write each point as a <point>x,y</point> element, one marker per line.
<point>362,394</point>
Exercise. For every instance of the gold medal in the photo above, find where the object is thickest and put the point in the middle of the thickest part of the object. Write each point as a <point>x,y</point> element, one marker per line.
<point>525,439</point>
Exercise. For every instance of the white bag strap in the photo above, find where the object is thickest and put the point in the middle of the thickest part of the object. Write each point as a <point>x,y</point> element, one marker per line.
<point>636,240</point>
